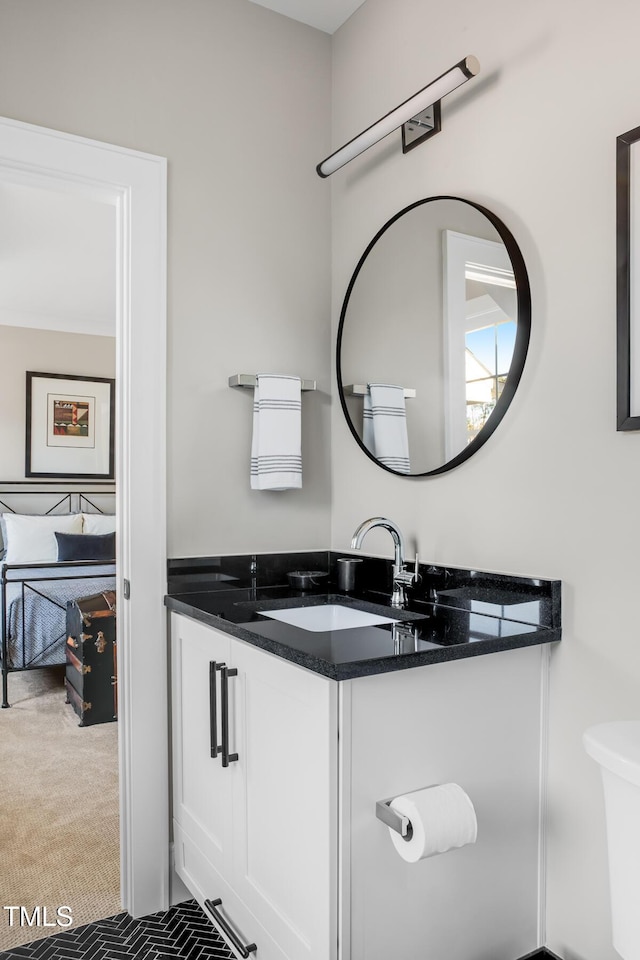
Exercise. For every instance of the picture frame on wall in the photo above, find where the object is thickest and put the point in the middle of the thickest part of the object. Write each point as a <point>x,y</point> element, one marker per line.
<point>70,426</point>
<point>628,279</point>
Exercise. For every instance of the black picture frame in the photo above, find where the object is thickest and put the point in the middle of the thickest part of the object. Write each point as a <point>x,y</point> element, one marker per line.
<point>627,324</point>
<point>48,456</point>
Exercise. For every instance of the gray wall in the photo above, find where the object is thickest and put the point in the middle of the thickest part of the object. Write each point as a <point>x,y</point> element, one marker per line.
<point>554,492</point>
<point>43,351</point>
<point>237,98</point>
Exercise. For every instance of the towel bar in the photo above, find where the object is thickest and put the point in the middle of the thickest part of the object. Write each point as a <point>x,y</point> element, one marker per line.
<point>249,380</point>
<point>396,821</point>
<point>360,390</point>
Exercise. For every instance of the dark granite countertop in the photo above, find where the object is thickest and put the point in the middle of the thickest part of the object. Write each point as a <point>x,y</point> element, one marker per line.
<point>453,614</point>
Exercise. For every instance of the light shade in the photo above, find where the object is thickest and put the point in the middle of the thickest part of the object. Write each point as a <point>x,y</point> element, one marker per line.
<point>424,98</point>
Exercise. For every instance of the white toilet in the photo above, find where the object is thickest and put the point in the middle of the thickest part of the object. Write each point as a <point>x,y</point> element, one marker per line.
<point>616,747</point>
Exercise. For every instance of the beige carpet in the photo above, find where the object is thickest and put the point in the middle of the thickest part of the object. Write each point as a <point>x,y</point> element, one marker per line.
<point>59,832</point>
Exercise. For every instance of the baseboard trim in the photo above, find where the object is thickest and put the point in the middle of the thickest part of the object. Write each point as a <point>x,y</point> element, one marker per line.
<point>178,893</point>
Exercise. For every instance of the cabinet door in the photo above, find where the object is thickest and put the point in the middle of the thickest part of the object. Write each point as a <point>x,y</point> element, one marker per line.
<point>476,722</point>
<point>202,802</point>
<point>285,801</point>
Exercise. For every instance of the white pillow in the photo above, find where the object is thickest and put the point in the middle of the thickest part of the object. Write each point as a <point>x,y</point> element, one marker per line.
<point>32,539</point>
<point>98,523</point>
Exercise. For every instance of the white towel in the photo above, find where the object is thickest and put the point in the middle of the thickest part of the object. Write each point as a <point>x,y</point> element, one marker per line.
<point>384,426</point>
<point>368,437</point>
<point>276,448</point>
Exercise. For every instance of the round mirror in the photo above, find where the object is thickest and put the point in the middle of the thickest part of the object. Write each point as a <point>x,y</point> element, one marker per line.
<point>433,335</point>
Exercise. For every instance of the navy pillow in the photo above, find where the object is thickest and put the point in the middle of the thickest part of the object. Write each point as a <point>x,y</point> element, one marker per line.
<point>86,546</point>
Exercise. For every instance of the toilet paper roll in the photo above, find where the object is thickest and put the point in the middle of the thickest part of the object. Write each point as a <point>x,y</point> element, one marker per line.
<point>442,818</point>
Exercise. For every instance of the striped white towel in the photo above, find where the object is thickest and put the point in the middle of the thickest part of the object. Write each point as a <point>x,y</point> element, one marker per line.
<point>368,437</point>
<point>384,428</point>
<point>276,448</point>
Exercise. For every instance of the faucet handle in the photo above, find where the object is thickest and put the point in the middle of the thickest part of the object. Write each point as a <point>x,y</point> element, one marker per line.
<point>407,579</point>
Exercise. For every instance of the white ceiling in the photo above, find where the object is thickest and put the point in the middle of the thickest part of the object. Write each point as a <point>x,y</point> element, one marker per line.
<point>57,261</point>
<point>326,15</point>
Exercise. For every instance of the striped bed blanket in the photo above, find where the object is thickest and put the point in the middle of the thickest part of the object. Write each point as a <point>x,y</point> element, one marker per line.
<point>36,604</point>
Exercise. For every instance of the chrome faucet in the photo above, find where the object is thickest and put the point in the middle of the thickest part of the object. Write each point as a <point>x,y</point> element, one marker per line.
<point>401,576</point>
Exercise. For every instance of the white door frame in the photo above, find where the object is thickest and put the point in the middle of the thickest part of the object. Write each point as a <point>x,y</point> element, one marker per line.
<point>135,184</point>
<point>490,258</point>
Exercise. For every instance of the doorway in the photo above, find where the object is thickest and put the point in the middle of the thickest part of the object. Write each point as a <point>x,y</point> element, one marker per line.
<point>134,184</point>
<point>57,316</point>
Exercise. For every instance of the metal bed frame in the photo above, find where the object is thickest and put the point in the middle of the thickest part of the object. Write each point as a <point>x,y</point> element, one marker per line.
<point>71,501</point>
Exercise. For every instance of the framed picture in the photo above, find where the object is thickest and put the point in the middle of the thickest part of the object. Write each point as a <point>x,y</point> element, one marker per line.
<point>70,429</point>
<point>628,278</point>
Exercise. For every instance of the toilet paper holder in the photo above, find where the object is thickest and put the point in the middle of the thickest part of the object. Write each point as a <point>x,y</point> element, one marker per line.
<point>396,821</point>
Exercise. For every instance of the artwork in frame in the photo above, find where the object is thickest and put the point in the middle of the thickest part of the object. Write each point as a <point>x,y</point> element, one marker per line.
<point>70,426</point>
<point>628,279</point>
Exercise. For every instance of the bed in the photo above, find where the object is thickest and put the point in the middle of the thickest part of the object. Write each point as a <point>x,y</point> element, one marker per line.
<point>34,595</point>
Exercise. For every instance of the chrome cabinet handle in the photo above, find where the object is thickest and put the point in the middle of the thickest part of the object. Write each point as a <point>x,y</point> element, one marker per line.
<point>225,673</point>
<point>244,950</point>
<point>213,710</point>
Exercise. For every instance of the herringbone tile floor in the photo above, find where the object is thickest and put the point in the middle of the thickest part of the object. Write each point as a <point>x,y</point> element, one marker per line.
<point>182,933</point>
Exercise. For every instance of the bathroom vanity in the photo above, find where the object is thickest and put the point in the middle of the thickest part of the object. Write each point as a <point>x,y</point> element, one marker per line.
<point>286,734</point>
<point>294,713</point>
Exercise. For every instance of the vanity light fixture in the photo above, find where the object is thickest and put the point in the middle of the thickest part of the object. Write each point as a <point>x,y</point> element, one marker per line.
<point>419,117</point>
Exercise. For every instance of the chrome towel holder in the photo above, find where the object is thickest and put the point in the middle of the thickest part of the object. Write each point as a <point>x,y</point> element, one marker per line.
<point>361,390</point>
<point>249,380</point>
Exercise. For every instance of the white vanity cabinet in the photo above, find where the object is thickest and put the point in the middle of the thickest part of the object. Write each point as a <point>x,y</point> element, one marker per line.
<point>286,835</point>
<point>259,834</point>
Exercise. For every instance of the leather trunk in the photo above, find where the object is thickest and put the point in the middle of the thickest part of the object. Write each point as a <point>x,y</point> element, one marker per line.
<point>91,673</point>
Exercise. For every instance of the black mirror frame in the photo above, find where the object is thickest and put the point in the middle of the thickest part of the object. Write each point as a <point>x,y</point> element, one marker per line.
<point>623,279</point>
<point>521,345</point>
